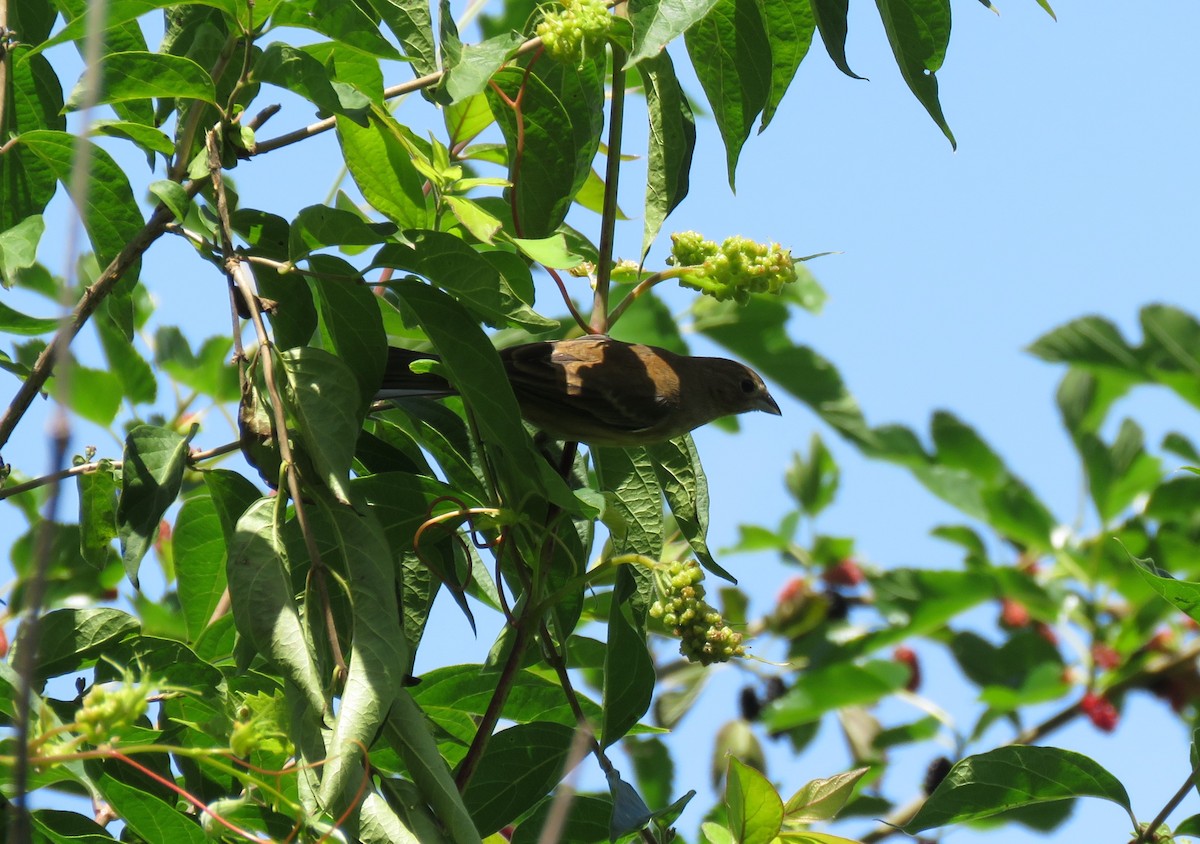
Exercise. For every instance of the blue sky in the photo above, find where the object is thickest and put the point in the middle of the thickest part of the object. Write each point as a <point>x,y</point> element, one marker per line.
<point>1072,192</point>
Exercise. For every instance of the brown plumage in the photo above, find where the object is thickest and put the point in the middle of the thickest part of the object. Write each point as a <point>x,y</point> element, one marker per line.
<point>605,392</point>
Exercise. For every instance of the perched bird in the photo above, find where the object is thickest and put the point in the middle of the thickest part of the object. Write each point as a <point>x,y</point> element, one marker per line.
<point>602,391</point>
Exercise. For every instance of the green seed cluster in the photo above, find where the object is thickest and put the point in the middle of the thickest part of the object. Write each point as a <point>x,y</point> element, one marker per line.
<point>704,636</point>
<point>734,269</point>
<point>568,34</point>
<point>106,711</point>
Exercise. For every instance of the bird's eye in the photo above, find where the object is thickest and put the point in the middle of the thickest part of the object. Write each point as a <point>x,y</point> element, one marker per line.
<point>748,386</point>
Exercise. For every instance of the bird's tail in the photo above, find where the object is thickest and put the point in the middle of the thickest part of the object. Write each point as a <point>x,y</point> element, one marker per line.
<point>399,381</point>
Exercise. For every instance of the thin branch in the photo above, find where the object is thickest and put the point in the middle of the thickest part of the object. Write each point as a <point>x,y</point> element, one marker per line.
<point>612,171</point>
<point>96,465</point>
<point>1148,832</point>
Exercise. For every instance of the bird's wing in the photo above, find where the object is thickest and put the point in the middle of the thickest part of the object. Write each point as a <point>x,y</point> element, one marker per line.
<point>588,383</point>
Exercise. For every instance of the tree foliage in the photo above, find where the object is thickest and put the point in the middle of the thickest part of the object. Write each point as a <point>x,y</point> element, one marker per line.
<point>270,695</point>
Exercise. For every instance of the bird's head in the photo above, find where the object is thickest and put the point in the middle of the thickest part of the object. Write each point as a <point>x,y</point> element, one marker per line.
<point>735,388</point>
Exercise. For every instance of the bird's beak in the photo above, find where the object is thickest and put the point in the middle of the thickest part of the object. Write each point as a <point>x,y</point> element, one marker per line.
<point>767,405</point>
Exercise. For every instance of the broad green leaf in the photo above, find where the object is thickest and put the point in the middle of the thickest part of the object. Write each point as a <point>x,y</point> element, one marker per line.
<point>120,12</point>
<point>319,227</point>
<point>519,767</point>
<point>677,464</point>
<point>351,324</point>
<point>340,21</point>
<point>407,730</point>
<point>628,676</point>
<point>18,251</point>
<point>206,372</point>
<point>354,545</point>
<point>475,370</point>
<point>26,181</point>
<point>672,142</point>
<point>790,26</point>
<point>1181,593</point>
<point>323,399</point>
<point>548,162</point>
<point>1088,341</point>
<point>550,251</point>
<point>97,514</point>
<point>137,379</point>
<point>15,322</point>
<point>476,282</point>
<point>264,606</point>
<point>830,17</point>
<point>813,480</point>
<point>147,816</point>
<point>381,165</point>
<point>630,483</point>
<point>200,560</point>
<point>919,32</point>
<point>478,64</point>
<point>755,812</point>
<point>111,216</point>
<point>466,119</point>
<point>154,462</point>
<point>732,57</point>
<point>482,225</point>
<point>821,799</point>
<point>69,639</point>
<point>918,602</point>
<point>654,768</point>
<point>1010,777</point>
<point>656,24</point>
<point>587,822</point>
<point>348,66</point>
<point>146,137</point>
<point>144,76</point>
<point>412,24</point>
<point>833,687</point>
<point>59,826</point>
<point>295,70</point>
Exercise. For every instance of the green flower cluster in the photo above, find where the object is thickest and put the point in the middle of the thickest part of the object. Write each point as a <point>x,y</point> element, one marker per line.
<point>704,636</point>
<point>733,270</point>
<point>581,24</point>
<point>106,711</point>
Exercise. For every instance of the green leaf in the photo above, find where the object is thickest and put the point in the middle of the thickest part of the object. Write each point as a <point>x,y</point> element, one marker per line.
<point>97,514</point>
<point>587,822</point>
<point>344,22</point>
<point>144,76</point>
<point>520,767</point>
<point>319,227</point>
<point>351,324</point>
<point>833,687</point>
<point>154,462</point>
<point>68,639</point>
<point>145,137</point>
<point>378,658</point>
<point>635,512</point>
<point>15,322</point>
<point>200,560</point>
<point>672,143</point>
<point>830,17</point>
<point>147,816</point>
<point>677,464</point>
<point>324,400</point>
<point>478,64</point>
<point>813,481</point>
<point>789,25</point>
<point>919,32</point>
<point>137,379</point>
<point>264,607</point>
<point>755,812</point>
<point>732,57</point>
<point>111,216</point>
<point>207,372</point>
<point>656,24</point>
<point>551,147</point>
<point>381,165</point>
<point>172,195</point>
<point>411,23</point>
<point>295,70</point>
<point>18,251</point>
<point>821,799</point>
<point>473,279</point>
<point>1010,777</point>
<point>475,370</point>
<point>26,181</point>
<point>1181,593</point>
<point>628,676</point>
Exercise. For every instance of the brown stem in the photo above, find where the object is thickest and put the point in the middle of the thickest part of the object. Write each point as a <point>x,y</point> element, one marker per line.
<point>612,171</point>
<point>1148,831</point>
